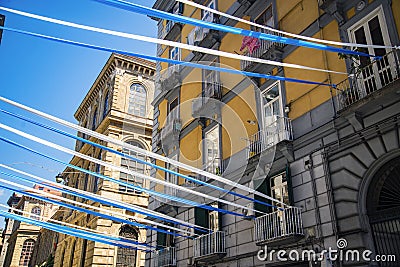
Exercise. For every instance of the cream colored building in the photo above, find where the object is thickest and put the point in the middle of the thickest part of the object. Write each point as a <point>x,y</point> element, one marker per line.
<point>117,105</point>
<point>23,236</point>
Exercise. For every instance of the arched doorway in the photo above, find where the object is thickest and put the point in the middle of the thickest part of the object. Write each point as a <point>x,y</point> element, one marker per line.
<point>383,208</point>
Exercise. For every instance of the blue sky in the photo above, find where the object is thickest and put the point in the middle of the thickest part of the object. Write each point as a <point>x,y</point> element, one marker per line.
<point>54,77</point>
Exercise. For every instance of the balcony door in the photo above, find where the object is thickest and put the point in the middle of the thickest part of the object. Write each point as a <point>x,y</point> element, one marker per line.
<point>175,54</point>
<point>272,113</point>
<point>171,178</point>
<point>212,151</point>
<point>372,30</point>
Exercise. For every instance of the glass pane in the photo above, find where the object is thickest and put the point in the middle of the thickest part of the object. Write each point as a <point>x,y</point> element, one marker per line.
<point>376,35</point>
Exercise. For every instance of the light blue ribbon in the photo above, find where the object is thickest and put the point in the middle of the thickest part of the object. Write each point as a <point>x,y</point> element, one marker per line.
<point>219,27</point>
<point>134,158</point>
<point>137,188</point>
<point>167,60</point>
<point>69,231</point>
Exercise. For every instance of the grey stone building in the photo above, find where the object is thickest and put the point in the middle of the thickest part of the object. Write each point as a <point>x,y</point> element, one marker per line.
<point>332,154</point>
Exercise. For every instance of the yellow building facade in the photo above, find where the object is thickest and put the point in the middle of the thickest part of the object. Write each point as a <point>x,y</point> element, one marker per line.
<point>294,142</point>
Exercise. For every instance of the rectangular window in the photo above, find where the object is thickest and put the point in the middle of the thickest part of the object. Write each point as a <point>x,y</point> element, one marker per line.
<point>171,178</point>
<point>209,16</point>
<point>266,18</point>
<point>212,150</point>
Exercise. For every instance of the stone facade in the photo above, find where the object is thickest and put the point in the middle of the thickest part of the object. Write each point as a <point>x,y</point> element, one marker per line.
<point>23,236</point>
<point>118,105</point>
<point>339,164</point>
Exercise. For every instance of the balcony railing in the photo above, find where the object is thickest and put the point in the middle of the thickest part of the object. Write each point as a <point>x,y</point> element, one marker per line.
<point>172,127</point>
<point>210,246</point>
<point>274,133</point>
<point>165,257</point>
<point>212,90</point>
<point>171,30</point>
<point>170,78</point>
<point>279,227</point>
<point>368,80</point>
<point>265,47</point>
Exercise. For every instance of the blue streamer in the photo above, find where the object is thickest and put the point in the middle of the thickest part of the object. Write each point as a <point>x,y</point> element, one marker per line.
<point>74,194</point>
<point>135,159</point>
<point>219,27</point>
<point>138,188</point>
<point>167,60</point>
<point>91,212</point>
<point>67,230</point>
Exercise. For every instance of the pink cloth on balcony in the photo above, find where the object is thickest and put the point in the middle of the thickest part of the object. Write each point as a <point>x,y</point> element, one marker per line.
<point>251,43</point>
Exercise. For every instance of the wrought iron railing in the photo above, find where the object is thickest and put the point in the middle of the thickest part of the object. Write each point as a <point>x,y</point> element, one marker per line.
<point>275,132</point>
<point>279,224</point>
<point>165,257</point>
<point>368,79</point>
<point>265,46</point>
<point>210,244</point>
<point>212,90</point>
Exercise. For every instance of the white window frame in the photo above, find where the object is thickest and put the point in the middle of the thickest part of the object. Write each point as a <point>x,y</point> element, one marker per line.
<point>217,159</point>
<point>279,99</point>
<point>209,16</point>
<point>379,12</point>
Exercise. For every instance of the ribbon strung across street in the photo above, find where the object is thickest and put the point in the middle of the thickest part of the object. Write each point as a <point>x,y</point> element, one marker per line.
<point>188,178</point>
<point>137,188</point>
<point>264,27</point>
<point>71,231</point>
<point>72,226</point>
<point>51,199</point>
<point>135,149</point>
<point>191,64</point>
<point>136,174</point>
<point>87,195</point>
<point>161,42</point>
<point>219,27</point>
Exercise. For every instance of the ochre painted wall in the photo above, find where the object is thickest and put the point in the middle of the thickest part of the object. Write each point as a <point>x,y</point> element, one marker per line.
<point>191,148</point>
<point>396,14</point>
<point>302,97</point>
<point>234,120</point>
<point>160,175</point>
<point>162,107</point>
<point>296,16</point>
<point>190,89</point>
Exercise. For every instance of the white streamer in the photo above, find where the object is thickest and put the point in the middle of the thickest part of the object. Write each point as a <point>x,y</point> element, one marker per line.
<point>118,168</point>
<point>190,3</point>
<point>166,42</point>
<point>138,150</point>
<point>44,219</point>
<point>112,201</point>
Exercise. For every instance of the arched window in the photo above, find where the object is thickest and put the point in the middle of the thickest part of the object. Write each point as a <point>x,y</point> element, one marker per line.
<point>133,166</point>
<point>105,106</point>
<point>137,100</point>
<point>94,122</point>
<point>126,257</point>
<point>26,253</point>
<point>36,212</point>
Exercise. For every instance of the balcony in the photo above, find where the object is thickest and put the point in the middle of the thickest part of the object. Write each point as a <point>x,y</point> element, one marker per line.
<point>171,128</point>
<point>165,257</point>
<point>278,131</point>
<point>170,78</point>
<point>203,37</point>
<point>209,247</point>
<point>368,81</point>
<point>204,102</point>
<point>279,228</point>
<point>266,51</point>
<point>171,30</point>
